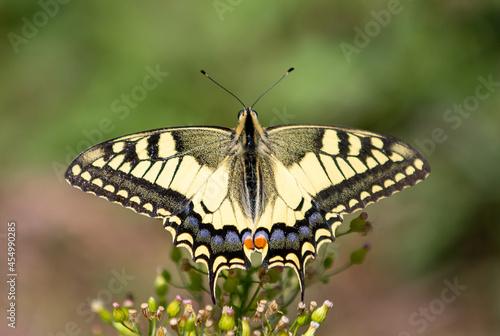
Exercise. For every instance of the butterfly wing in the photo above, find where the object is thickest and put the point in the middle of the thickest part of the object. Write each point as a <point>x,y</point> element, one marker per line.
<point>181,175</point>
<point>321,173</point>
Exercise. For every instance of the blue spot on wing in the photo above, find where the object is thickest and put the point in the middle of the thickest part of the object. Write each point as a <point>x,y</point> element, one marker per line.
<point>277,235</point>
<point>232,237</point>
<point>204,233</point>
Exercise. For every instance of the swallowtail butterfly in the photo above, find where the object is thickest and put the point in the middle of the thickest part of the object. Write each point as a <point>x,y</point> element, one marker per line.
<point>226,193</point>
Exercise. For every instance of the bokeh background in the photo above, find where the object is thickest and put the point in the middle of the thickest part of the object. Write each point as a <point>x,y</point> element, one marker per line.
<point>72,74</point>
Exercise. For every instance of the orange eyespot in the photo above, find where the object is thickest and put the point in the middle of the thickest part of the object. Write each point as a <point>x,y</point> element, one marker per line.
<point>260,242</point>
<point>248,243</point>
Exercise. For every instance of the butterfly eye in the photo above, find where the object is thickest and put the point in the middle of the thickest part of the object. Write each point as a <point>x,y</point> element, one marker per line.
<point>255,113</point>
<point>240,114</point>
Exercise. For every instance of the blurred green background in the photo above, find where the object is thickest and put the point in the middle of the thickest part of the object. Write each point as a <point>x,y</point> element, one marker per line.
<point>74,74</point>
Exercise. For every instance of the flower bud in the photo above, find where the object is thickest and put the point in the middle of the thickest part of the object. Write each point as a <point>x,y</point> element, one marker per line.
<point>303,319</point>
<point>145,310</point>
<point>159,312</point>
<point>245,326</point>
<point>190,324</point>
<point>263,304</point>
<point>128,303</point>
<point>98,307</point>
<point>119,315</point>
<point>259,313</point>
<point>282,323</point>
<point>227,321</point>
<point>132,316</point>
<point>358,256</point>
<point>319,314</point>
<point>188,305</point>
<point>301,307</point>
<point>358,222</point>
<point>209,328</point>
<point>312,305</point>
<point>162,331</point>
<point>273,307</point>
<point>208,311</point>
<point>160,284</point>
<point>312,329</point>
<point>174,308</point>
<point>201,317</point>
<point>152,304</point>
<point>174,324</point>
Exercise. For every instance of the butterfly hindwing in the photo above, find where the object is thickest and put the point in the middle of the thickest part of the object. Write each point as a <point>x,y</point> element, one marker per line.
<point>212,226</point>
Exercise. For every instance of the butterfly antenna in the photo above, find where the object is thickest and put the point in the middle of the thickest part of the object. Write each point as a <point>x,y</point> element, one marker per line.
<point>286,73</point>
<point>232,94</point>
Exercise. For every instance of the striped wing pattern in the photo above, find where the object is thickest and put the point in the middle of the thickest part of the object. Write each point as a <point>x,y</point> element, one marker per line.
<point>321,173</point>
<point>190,178</point>
<point>179,175</point>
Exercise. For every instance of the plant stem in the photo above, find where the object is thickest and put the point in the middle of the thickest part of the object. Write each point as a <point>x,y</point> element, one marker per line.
<point>343,268</point>
<point>132,330</point>
<point>244,311</point>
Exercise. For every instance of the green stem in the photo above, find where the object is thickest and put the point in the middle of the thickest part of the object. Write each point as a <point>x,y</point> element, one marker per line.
<point>132,330</point>
<point>244,311</point>
<point>152,327</point>
<point>282,292</point>
<point>340,234</point>
<point>199,270</point>
<point>176,286</point>
<point>343,268</point>
<point>292,298</point>
<point>181,275</point>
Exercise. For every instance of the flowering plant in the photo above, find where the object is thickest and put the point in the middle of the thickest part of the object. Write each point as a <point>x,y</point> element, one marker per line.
<point>253,302</point>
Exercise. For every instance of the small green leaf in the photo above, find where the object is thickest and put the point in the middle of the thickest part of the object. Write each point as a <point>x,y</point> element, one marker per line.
<point>358,256</point>
<point>196,283</point>
<point>176,254</point>
<point>274,275</point>
<point>328,262</point>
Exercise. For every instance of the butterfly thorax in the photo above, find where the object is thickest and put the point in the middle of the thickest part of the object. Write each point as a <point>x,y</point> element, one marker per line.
<point>249,146</point>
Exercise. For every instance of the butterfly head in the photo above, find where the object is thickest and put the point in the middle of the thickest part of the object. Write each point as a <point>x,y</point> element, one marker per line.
<point>248,111</point>
<point>249,133</point>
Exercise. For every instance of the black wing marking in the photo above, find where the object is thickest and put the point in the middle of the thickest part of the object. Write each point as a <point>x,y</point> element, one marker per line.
<point>176,174</point>
<point>332,171</point>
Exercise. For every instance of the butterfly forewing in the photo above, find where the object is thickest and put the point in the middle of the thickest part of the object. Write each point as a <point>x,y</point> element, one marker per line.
<point>345,169</point>
<point>150,172</point>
